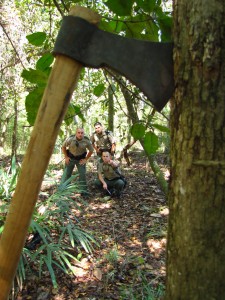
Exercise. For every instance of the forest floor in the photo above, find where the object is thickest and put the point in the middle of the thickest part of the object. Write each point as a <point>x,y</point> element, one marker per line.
<point>129,262</point>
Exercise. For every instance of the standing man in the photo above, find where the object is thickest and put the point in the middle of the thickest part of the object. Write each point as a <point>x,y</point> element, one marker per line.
<point>109,177</point>
<point>103,140</point>
<point>75,149</point>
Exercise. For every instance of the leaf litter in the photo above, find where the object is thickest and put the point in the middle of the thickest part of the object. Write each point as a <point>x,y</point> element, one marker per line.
<point>131,233</point>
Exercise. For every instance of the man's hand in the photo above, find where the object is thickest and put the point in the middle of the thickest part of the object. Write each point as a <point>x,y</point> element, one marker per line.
<point>111,163</point>
<point>105,186</point>
<point>67,160</point>
<point>83,161</point>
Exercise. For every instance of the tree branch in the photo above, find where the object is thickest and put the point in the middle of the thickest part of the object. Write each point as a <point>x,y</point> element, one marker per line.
<point>8,37</point>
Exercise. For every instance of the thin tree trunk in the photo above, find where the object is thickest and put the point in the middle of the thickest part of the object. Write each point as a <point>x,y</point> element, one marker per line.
<point>15,125</point>
<point>111,110</point>
<point>153,163</point>
<point>196,235</point>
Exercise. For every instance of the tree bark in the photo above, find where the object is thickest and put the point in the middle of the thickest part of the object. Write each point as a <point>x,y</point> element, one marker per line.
<point>196,235</point>
<point>111,110</point>
<point>15,125</point>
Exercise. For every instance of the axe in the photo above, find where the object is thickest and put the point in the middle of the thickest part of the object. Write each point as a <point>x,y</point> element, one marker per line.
<point>61,84</point>
<point>147,65</point>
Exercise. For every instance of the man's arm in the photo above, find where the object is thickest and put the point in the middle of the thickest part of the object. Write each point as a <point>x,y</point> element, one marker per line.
<point>113,148</point>
<point>92,139</point>
<point>67,159</point>
<point>113,142</point>
<point>104,184</point>
<point>89,154</point>
<point>84,160</point>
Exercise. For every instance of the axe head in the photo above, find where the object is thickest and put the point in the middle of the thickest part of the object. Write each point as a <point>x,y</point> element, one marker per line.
<point>148,65</point>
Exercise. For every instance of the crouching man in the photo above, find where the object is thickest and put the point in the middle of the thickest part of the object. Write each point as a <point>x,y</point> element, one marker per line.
<point>109,177</point>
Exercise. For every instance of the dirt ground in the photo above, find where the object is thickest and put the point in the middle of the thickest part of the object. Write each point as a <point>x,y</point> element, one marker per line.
<point>131,233</point>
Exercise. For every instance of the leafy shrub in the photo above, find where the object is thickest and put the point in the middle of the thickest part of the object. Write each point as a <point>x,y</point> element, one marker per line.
<point>57,239</point>
<point>60,236</point>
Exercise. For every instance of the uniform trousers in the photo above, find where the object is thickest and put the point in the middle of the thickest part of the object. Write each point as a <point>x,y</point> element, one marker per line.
<point>81,171</point>
<point>116,184</point>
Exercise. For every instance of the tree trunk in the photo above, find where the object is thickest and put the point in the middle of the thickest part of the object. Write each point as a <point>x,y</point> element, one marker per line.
<point>111,110</point>
<point>15,125</point>
<point>196,235</point>
<point>153,163</point>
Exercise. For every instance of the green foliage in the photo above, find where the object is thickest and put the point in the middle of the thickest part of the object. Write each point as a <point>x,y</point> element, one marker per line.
<point>7,187</point>
<point>8,180</point>
<point>151,144</point>
<point>73,110</point>
<point>39,78</point>
<point>37,38</point>
<point>32,103</point>
<point>45,62</point>
<point>120,7</point>
<point>147,290</point>
<point>99,89</point>
<point>165,24</point>
<point>161,128</point>
<point>61,237</point>
<point>151,133</point>
<point>137,131</point>
<point>57,250</point>
<point>35,76</point>
<point>113,256</point>
<point>147,6</point>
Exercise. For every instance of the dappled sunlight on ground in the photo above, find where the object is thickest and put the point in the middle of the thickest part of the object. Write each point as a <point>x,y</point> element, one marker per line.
<point>131,242</point>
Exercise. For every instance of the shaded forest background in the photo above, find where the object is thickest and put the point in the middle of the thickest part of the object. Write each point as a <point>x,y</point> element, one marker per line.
<point>28,32</point>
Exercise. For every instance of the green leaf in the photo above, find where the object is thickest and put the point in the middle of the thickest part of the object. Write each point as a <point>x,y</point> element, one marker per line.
<point>136,28</point>
<point>146,5</point>
<point>165,23</point>
<point>120,7</point>
<point>35,76</point>
<point>161,128</point>
<point>99,90</point>
<point>112,26</point>
<point>72,111</point>
<point>51,271</point>
<point>140,28</point>
<point>151,143</point>
<point>32,103</point>
<point>37,38</point>
<point>137,131</point>
<point>45,62</point>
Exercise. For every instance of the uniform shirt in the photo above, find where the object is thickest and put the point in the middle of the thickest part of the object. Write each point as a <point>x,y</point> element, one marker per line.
<point>77,147</point>
<point>107,171</point>
<point>103,140</point>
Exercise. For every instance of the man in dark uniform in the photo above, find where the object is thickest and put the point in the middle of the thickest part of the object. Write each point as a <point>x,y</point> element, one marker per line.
<point>103,140</point>
<point>75,149</point>
<point>109,177</point>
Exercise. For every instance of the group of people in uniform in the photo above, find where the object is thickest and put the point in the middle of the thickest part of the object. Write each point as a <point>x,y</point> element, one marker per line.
<point>77,150</point>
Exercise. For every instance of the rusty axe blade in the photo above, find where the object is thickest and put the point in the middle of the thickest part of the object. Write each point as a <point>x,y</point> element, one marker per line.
<point>148,65</point>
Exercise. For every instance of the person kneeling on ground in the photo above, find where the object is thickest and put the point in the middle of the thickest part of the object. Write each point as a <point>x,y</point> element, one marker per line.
<point>109,177</point>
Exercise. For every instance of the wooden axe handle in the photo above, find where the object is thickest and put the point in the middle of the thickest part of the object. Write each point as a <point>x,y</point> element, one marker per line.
<point>56,98</point>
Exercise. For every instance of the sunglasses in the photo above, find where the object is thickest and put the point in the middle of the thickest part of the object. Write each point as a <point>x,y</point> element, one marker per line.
<point>77,143</point>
